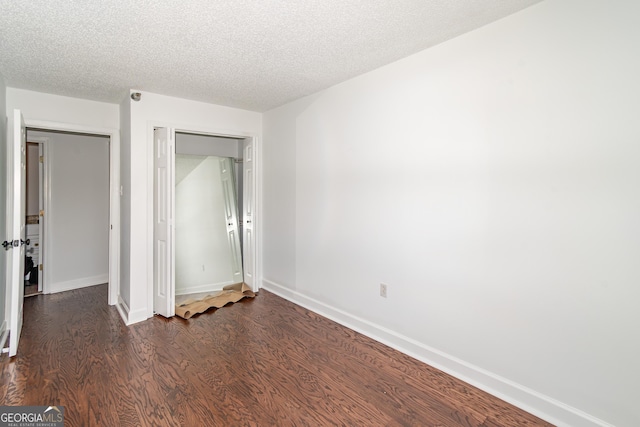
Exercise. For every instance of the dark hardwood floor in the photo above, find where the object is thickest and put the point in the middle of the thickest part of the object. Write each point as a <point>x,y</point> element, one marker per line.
<point>259,362</point>
<point>30,290</point>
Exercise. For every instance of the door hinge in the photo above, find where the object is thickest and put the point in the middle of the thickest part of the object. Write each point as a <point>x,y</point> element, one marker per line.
<point>42,213</point>
<point>40,267</point>
<point>41,159</point>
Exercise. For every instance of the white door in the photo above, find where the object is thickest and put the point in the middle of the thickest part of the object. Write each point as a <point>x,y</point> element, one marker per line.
<point>163,221</point>
<point>231,216</point>
<point>248,240</point>
<point>16,179</point>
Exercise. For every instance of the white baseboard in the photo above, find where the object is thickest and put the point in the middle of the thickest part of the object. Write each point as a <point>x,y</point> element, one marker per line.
<point>518,395</point>
<point>203,288</point>
<point>83,282</point>
<point>137,316</point>
<point>130,317</point>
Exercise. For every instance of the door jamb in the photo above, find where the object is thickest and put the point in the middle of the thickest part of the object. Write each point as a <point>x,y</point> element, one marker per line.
<point>43,275</point>
<point>114,194</point>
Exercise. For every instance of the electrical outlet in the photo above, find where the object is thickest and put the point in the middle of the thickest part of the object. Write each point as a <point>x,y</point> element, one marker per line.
<point>383,290</point>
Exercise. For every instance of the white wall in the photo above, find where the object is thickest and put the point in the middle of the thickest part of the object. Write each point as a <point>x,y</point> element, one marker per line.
<point>78,214</point>
<point>3,204</point>
<point>137,216</point>
<point>62,109</point>
<point>279,185</point>
<point>492,183</point>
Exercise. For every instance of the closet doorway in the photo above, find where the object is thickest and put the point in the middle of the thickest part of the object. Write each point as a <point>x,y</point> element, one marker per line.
<point>204,202</point>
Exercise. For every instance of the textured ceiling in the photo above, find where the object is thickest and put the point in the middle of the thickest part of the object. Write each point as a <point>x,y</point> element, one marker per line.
<point>251,54</point>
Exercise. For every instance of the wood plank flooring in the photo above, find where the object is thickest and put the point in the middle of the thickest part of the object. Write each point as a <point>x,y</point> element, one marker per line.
<point>260,362</point>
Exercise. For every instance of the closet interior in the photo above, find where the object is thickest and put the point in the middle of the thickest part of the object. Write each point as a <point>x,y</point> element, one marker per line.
<point>208,222</point>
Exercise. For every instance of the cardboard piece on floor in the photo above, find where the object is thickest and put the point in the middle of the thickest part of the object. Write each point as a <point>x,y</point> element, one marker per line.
<point>230,293</point>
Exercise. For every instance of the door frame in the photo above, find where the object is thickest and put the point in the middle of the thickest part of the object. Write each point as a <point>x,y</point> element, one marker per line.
<point>114,196</point>
<point>257,221</point>
<point>44,180</point>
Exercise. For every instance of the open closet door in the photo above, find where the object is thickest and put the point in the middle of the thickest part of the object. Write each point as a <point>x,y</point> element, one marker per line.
<point>231,216</point>
<point>15,243</point>
<point>248,200</point>
<point>163,223</point>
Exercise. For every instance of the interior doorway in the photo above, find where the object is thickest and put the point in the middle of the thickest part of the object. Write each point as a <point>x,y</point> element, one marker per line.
<point>16,195</point>
<point>204,202</point>
<point>71,224</point>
